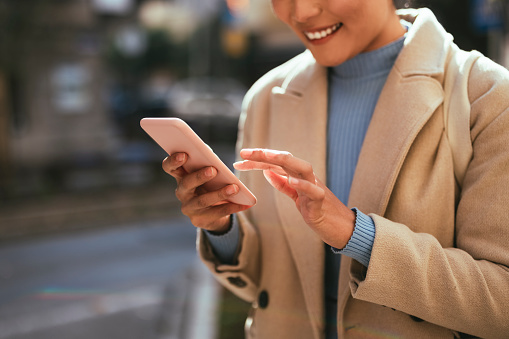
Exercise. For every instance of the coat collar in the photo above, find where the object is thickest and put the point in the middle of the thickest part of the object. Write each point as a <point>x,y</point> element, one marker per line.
<point>298,124</point>
<point>416,81</point>
<point>426,44</point>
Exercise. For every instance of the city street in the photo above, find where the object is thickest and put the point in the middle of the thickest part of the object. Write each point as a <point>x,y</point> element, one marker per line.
<point>132,281</point>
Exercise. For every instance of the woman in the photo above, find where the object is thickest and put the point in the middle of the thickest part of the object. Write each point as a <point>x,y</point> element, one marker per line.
<point>358,120</point>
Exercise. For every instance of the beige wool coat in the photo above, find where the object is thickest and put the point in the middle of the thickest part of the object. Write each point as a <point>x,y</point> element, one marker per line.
<point>439,264</point>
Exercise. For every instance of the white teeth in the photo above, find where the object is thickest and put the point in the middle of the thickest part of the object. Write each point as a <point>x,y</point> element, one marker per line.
<point>323,33</point>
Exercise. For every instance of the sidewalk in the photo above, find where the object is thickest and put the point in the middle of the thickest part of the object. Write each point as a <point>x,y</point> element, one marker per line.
<point>189,310</point>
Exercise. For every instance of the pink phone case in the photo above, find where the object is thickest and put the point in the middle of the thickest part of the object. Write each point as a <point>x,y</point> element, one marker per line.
<point>174,135</point>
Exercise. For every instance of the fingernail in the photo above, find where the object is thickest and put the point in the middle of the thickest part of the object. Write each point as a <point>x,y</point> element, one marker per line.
<point>239,163</point>
<point>180,157</point>
<point>232,189</point>
<point>293,181</point>
<point>209,172</point>
<point>246,152</point>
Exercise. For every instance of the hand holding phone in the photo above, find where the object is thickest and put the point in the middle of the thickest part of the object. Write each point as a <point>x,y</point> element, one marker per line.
<point>174,135</point>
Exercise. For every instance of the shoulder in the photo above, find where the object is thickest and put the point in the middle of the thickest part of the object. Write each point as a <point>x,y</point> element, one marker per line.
<point>277,76</point>
<point>488,94</point>
<point>488,77</point>
<point>256,103</point>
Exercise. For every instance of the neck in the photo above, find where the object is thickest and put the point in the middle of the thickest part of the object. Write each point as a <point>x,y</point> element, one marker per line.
<point>393,30</point>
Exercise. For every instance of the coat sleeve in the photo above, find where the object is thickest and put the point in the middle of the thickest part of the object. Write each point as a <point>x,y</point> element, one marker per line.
<point>465,287</point>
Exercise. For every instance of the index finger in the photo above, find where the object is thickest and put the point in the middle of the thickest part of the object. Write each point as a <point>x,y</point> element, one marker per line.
<point>294,166</point>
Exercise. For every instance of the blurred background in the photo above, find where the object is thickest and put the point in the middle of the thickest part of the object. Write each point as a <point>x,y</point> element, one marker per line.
<point>92,243</point>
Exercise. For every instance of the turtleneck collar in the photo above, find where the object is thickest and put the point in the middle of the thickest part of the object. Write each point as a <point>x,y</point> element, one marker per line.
<point>370,63</point>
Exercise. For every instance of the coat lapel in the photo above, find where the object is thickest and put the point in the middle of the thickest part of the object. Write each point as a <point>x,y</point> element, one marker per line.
<point>415,83</point>
<point>298,125</point>
<point>391,133</point>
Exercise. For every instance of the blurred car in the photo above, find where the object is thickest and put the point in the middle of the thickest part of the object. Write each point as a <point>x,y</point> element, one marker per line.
<point>210,105</point>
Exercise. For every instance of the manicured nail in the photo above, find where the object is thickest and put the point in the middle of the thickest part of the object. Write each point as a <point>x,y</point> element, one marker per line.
<point>231,190</point>
<point>293,181</point>
<point>209,172</point>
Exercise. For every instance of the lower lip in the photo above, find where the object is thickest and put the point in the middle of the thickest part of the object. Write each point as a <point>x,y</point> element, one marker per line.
<point>324,40</point>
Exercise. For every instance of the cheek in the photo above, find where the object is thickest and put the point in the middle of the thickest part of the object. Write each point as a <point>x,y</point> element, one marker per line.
<point>347,9</point>
<point>283,11</point>
<point>278,7</point>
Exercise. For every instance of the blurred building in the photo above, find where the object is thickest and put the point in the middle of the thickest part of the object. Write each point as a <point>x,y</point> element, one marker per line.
<point>69,79</point>
<point>54,79</point>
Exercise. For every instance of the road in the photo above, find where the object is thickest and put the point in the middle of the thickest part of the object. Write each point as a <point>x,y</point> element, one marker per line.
<point>133,281</point>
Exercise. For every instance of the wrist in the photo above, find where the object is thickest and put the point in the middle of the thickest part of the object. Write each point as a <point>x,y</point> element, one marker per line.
<point>350,221</point>
<point>223,229</point>
<point>360,245</point>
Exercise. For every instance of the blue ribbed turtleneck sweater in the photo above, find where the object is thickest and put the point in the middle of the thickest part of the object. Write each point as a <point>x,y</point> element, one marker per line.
<point>354,88</point>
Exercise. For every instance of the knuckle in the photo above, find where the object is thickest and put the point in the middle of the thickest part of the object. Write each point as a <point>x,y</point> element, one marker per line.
<point>308,169</point>
<point>185,211</point>
<point>195,222</point>
<point>201,202</point>
<point>184,185</point>
<point>180,191</point>
<point>200,175</point>
<point>199,222</point>
<point>178,194</point>
<point>286,156</point>
<point>321,195</point>
<point>222,195</point>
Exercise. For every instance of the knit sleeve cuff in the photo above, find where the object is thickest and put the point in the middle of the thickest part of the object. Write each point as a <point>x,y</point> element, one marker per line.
<point>225,245</point>
<point>361,243</point>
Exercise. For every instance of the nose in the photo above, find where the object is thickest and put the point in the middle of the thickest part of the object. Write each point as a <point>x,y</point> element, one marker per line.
<point>303,10</point>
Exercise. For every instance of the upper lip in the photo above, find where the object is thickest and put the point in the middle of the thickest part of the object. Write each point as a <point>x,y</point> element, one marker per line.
<point>314,30</point>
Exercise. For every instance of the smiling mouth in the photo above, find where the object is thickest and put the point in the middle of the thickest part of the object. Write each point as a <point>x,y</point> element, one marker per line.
<point>322,33</point>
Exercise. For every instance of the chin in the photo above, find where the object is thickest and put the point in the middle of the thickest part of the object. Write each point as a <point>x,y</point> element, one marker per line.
<point>328,61</point>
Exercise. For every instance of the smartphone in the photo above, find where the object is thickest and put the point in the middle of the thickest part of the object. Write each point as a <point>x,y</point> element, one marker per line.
<point>174,135</point>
